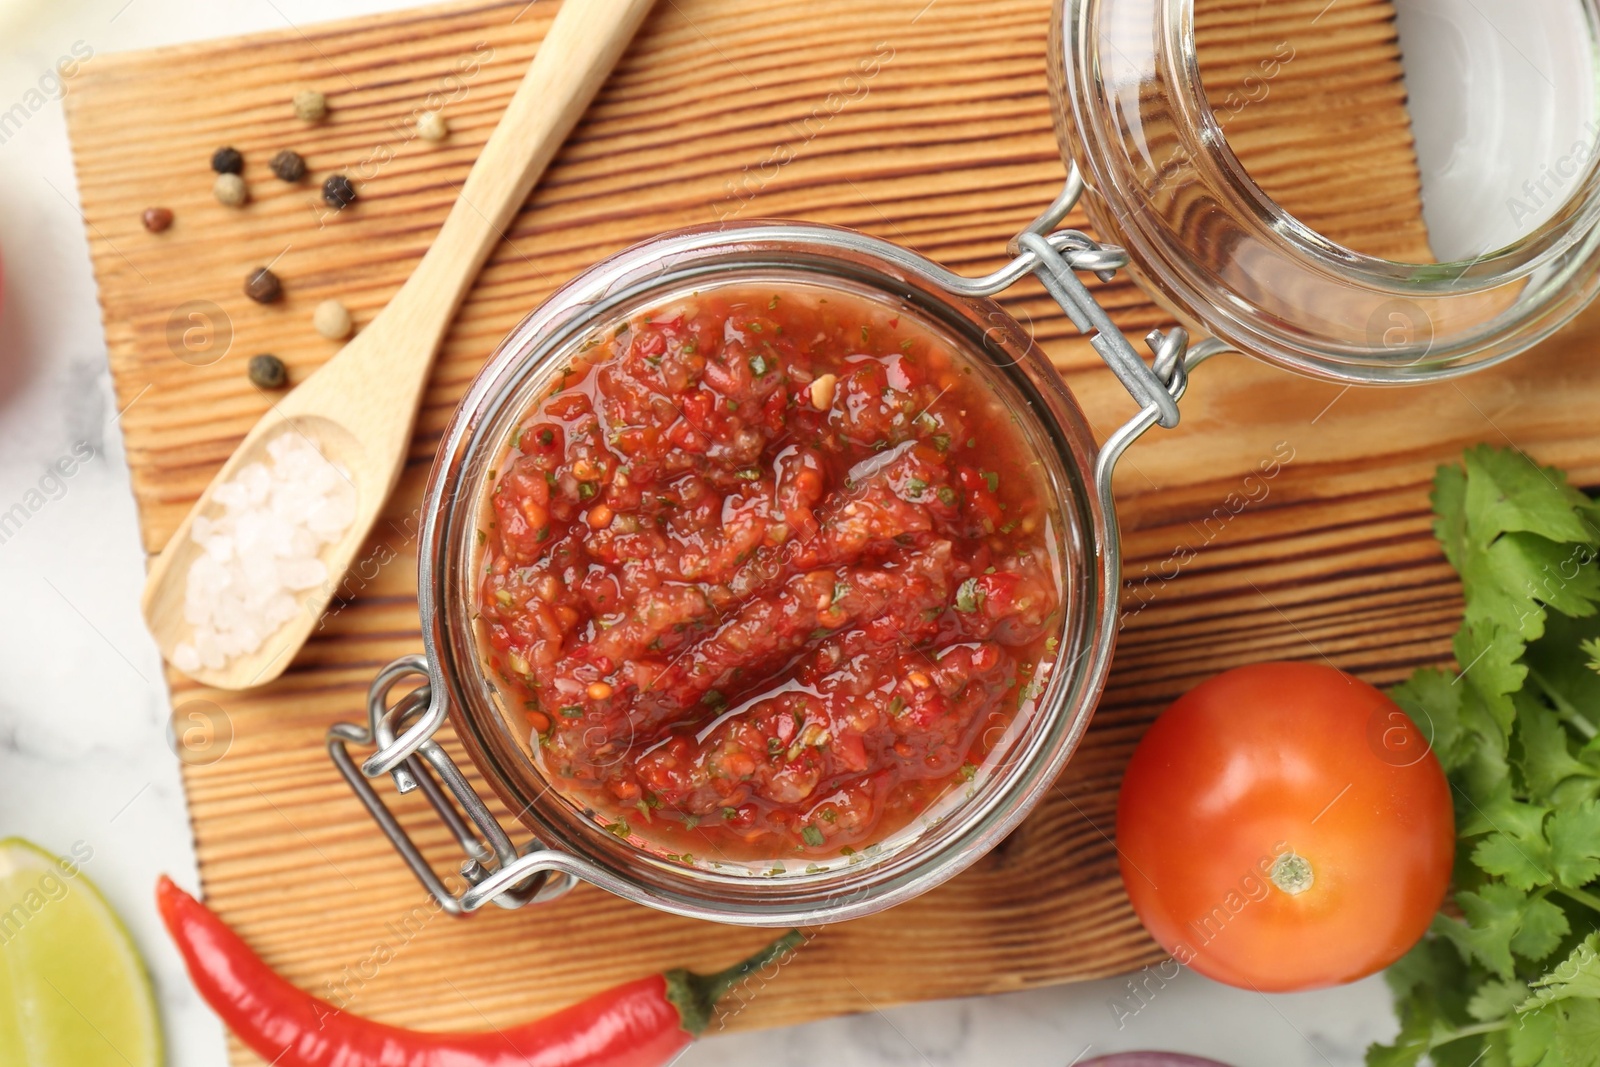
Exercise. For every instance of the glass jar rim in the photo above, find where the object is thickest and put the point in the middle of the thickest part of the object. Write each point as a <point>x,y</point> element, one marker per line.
<point>1281,291</point>
<point>822,255</point>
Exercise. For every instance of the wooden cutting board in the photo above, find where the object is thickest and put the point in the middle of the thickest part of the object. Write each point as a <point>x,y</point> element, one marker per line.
<point>945,147</point>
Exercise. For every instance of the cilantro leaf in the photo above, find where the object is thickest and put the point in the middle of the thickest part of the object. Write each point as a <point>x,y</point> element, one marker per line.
<point>1496,999</point>
<point>1509,493</point>
<point>1547,760</point>
<point>1427,982</point>
<point>1576,976</point>
<point>1531,1039</point>
<point>1449,500</point>
<point>1492,655</point>
<point>1492,808</point>
<point>1491,923</point>
<point>1408,1049</point>
<point>1431,967</point>
<point>1502,919</point>
<point>1574,835</point>
<point>1506,527</point>
<point>1592,648</point>
<point>1523,860</point>
<point>1543,927</point>
<point>1560,675</point>
<point>1528,570</point>
<point>1578,1034</point>
<point>969,597</point>
<point>1434,703</point>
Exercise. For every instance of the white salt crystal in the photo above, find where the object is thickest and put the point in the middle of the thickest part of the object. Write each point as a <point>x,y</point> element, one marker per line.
<point>330,517</point>
<point>306,543</point>
<point>260,567</point>
<point>256,479</point>
<point>208,644</point>
<point>279,610</point>
<point>232,496</point>
<point>219,548</point>
<point>276,534</point>
<point>298,574</point>
<point>261,549</point>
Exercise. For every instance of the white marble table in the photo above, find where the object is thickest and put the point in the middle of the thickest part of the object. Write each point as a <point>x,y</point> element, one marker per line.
<point>83,709</point>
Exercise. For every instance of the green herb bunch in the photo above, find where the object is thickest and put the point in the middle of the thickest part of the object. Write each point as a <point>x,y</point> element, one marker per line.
<point>1514,981</point>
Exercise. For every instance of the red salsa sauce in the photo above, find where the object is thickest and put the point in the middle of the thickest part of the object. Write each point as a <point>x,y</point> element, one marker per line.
<point>766,573</point>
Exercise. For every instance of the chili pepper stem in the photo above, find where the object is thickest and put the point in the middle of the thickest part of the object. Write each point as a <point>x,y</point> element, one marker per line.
<point>696,995</point>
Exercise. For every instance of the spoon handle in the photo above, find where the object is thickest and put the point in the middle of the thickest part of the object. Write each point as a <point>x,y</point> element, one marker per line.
<point>577,54</point>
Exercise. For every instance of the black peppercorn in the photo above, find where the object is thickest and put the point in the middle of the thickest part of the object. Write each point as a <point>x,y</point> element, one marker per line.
<point>338,192</point>
<point>268,371</point>
<point>263,286</point>
<point>288,165</point>
<point>227,161</point>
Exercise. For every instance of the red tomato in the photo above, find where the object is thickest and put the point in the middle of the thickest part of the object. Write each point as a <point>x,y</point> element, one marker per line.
<point>1284,826</point>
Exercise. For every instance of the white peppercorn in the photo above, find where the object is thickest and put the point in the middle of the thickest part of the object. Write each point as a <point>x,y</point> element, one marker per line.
<point>331,319</point>
<point>230,189</point>
<point>310,105</point>
<point>431,126</point>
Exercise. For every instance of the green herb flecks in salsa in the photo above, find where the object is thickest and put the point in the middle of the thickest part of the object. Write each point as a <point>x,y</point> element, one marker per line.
<point>751,553</point>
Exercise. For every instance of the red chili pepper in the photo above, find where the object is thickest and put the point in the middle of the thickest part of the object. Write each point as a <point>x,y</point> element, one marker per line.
<point>637,1024</point>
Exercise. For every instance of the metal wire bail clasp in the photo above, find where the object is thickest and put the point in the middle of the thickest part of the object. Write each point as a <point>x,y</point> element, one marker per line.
<point>1057,257</point>
<point>403,732</point>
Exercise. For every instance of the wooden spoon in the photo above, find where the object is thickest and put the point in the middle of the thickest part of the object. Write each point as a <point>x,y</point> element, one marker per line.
<point>359,407</point>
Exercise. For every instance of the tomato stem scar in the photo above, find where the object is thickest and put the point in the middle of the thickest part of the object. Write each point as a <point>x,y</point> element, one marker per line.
<point>1292,874</point>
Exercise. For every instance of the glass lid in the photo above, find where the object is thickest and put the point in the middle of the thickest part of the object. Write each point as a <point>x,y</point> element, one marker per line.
<point>1366,190</point>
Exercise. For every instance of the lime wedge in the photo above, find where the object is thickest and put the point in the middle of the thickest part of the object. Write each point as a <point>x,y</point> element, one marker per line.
<point>72,989</point>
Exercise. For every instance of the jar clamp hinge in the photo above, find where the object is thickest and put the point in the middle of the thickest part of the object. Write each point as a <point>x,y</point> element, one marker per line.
<point>1057,257</point>
<point>495,868</point>
<point>402,732</point>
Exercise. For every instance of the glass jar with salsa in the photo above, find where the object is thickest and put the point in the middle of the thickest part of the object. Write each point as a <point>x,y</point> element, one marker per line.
<point>749,565</point>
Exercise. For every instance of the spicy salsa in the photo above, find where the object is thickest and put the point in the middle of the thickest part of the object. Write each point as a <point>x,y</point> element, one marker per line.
<point>764,570</point>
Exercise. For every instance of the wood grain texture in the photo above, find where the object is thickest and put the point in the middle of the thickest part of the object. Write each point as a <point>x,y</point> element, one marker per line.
<point>945,148</point>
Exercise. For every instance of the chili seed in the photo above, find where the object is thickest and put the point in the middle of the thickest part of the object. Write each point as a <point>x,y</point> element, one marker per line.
<point>267,371</point>
<point>263,286</point>
<point>331,319</point>
<point>431,126</point>
<point>310,105</point>
<point>288,165</point>
<point>157,219</point>
<point>338,192</point>
<point>230,189</point>
<point>227,161</point>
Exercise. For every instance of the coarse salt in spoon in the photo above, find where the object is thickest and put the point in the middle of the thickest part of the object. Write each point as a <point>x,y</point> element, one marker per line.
<point>298,496</point>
